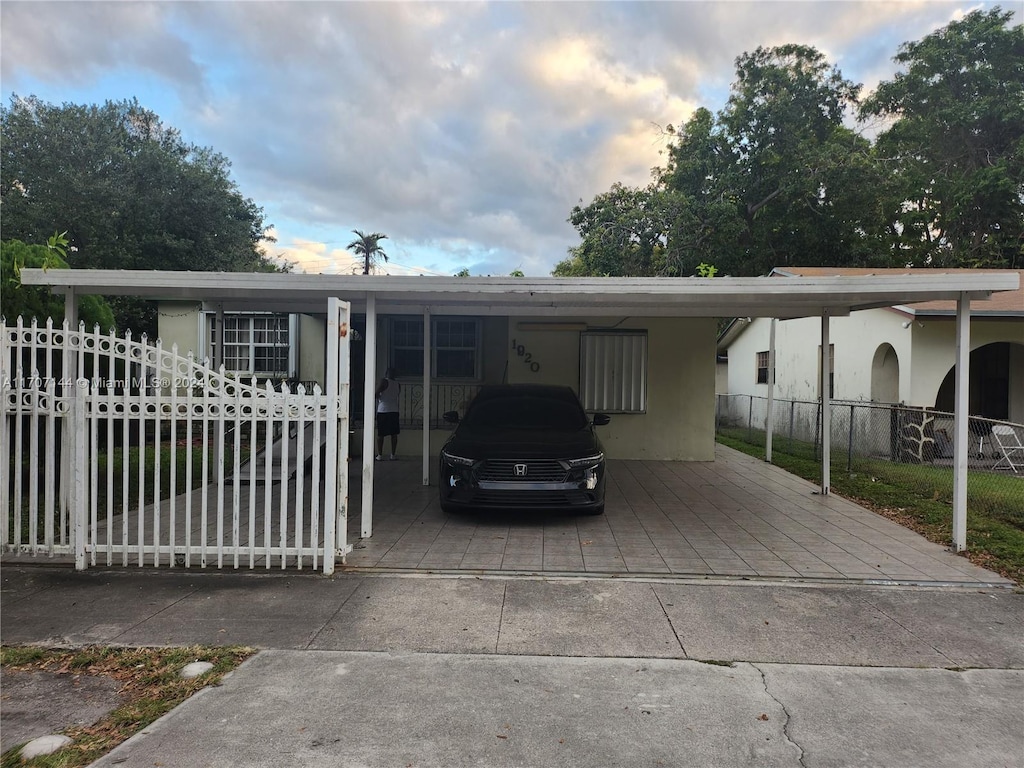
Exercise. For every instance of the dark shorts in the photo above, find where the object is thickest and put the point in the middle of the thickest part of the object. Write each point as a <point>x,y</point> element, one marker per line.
<point>387,424</point>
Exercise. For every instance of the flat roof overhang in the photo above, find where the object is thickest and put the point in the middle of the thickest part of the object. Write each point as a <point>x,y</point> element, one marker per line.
<point>782,298</point>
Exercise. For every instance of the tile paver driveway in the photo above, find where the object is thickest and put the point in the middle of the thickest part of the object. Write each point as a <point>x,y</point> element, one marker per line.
<point>734,517</point>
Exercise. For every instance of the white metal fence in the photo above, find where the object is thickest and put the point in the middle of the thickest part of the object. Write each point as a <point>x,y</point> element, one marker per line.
<point>122,452</point>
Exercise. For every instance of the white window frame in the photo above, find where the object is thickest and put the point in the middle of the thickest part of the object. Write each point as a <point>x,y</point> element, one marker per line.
<point>208,335</point>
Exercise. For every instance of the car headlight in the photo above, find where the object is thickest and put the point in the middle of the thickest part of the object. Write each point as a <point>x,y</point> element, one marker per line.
<point>587,461</point>
<point>458,461</point>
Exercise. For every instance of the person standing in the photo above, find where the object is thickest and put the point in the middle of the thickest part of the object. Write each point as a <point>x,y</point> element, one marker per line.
<point>387,413</point>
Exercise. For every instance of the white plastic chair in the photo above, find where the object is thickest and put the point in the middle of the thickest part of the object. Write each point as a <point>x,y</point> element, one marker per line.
<point>1009,443</point>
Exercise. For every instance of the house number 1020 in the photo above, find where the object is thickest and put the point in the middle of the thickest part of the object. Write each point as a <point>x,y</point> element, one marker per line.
<point>527,356</point>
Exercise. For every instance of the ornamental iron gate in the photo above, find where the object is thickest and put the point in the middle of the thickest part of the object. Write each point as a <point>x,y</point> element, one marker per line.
<point>121,452</point>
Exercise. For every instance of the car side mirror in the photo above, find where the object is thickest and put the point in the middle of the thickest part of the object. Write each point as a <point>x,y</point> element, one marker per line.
<point>600,419</point>
<point>452,417</point>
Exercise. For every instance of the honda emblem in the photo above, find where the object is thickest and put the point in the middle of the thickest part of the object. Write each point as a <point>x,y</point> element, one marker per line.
<point>520,470</point>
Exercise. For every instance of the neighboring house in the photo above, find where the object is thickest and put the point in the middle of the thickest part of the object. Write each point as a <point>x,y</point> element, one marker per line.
<point>899,354</point>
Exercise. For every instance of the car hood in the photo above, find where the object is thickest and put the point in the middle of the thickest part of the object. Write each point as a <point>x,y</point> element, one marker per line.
<point>523,444</point>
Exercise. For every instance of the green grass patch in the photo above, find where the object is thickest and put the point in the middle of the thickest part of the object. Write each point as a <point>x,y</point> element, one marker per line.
<point>149,688</point>
<point>917,496</point>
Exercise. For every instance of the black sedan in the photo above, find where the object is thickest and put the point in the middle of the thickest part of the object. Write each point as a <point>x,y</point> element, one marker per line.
<point>523,447</point>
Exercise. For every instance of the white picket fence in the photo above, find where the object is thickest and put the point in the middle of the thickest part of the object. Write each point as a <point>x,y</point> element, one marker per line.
<point>121,452</point>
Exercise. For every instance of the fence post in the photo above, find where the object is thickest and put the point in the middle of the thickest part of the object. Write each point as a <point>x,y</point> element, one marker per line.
<point>849,447</point>
<point>750,420</point>
<point>80,485</point>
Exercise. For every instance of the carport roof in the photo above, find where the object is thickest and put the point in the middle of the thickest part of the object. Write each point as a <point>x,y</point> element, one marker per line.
<point>636,296</point>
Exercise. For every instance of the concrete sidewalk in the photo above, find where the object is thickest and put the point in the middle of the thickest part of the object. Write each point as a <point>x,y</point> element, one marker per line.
<point>384,670</point>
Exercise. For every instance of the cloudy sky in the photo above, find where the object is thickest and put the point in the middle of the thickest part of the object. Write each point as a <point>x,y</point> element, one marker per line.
<point>464,131</point>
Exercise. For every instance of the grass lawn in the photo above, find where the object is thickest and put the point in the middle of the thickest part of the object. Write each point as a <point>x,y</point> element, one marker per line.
<point>149,688</point>
<point>919,497</point>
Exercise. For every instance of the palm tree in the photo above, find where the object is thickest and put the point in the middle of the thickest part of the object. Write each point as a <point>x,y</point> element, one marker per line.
<point>368,246</point>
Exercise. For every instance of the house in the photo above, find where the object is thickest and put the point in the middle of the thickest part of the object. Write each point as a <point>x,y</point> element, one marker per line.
<point>642,349</point>
<point>607,360</point>
<point>902,353</point>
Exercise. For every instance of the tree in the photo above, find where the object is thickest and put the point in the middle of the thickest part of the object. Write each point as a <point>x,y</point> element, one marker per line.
<point>955,148</point>
<point>38,302</point>
<point>368,247</point>
<point>775,178</point>
<point>129,192</point>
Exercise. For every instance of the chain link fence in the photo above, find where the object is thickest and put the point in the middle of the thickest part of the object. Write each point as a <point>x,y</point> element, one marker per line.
<point>910,448</point>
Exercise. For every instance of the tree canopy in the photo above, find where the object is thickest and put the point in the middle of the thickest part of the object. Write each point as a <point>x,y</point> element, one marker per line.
<point>37,302</point>
<point>778,177</point>
<point>368,247</point>
<point>129,191</point>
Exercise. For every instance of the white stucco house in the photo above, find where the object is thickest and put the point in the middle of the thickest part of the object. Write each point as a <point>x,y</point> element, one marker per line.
<point>903,353</point>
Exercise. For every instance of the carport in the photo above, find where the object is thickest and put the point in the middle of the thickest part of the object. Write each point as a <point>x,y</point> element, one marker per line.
<point>554,298</point>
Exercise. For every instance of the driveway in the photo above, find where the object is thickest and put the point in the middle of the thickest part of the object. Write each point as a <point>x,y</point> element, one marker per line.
<point>734,517</point>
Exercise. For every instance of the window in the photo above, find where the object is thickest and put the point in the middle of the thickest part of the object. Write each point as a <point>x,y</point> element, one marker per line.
<point>762,367</point>
<point>455,343</point>
<point>258,345</point>
<point>613,371</point>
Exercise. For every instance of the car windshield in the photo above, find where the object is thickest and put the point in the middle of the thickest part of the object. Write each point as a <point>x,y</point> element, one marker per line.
<point>526,412</point>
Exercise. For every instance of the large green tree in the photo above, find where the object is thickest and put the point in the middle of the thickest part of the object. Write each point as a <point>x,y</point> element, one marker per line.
<point>772,179</point>
<point>954,149</point>
<point>129,192</point>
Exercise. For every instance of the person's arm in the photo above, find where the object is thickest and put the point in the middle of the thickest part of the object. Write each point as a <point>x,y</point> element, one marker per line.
<point>380,388</point>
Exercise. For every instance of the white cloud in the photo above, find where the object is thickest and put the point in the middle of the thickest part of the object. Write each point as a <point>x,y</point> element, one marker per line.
<point>465,131</point>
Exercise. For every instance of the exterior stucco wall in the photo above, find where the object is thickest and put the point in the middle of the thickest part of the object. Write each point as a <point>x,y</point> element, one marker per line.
<point>935,355</point>
<point>925,352</point>
<point>312,348</point>
<point>178,323</point>
<point>679,422</point>
<point>855,339</point>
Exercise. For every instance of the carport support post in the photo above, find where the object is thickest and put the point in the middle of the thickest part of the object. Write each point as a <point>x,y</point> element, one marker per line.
<point>426,395</point>
<point>770,415</point>
<point>960,437</point>
<point>369,410</point>
<point>68,375</point>
<point>826,404</point>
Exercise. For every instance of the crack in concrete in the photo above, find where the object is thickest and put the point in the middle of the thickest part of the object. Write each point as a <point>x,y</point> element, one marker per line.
<point>785,712</point>
<point>669,620</point>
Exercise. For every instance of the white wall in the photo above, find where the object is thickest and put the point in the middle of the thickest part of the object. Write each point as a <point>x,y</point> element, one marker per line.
<point>925,351</point>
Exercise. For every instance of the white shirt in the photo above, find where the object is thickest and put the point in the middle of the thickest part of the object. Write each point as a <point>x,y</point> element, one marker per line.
<point>387,402</point>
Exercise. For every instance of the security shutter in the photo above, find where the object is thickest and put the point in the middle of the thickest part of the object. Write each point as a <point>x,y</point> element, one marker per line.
<point>613,371</point>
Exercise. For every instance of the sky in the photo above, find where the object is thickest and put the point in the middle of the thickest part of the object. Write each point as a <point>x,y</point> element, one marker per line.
<point>465,132</point>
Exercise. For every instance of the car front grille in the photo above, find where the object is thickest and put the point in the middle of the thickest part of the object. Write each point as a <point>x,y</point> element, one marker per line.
<point>536,471</point>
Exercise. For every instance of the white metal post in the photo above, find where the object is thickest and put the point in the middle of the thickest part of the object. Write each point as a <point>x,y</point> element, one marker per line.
<point>961,438</point>
<point>80,487</point>
<point>344,313</point>
<point>331,464</point>
<point>826,405</point>
<point>426,395</point>
<point>369,414</point>
<point>770,417</point>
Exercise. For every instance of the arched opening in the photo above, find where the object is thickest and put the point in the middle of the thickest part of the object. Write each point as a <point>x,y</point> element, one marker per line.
<point>885,375</point>
<point>997,373</point>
